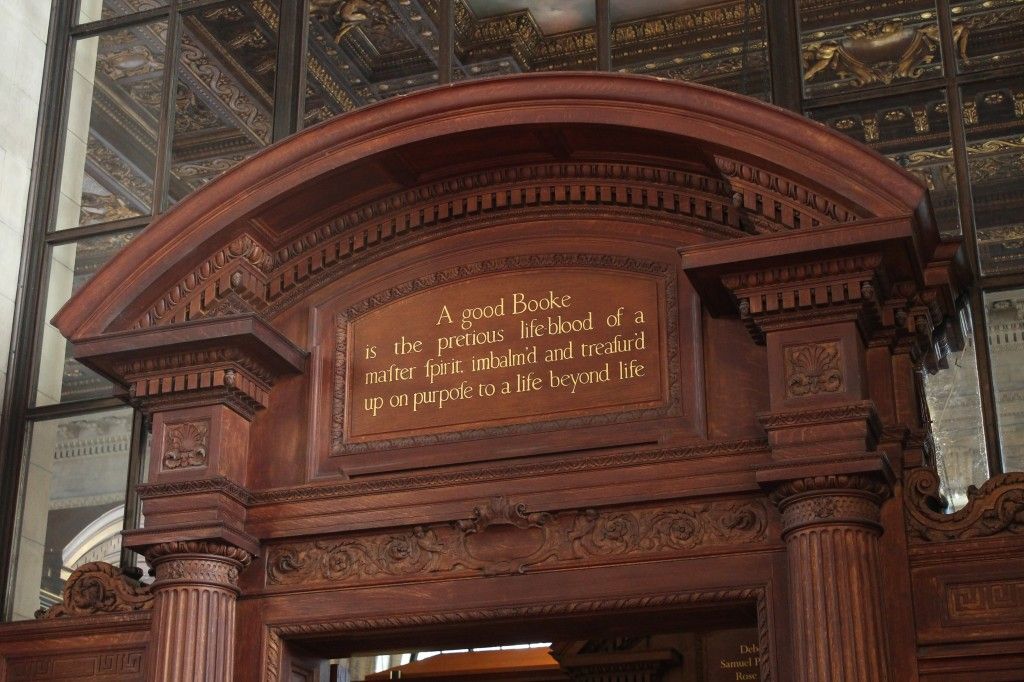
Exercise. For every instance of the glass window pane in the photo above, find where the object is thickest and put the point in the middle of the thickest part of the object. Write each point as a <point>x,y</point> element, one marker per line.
<point>62,379</point>
<point>360,52</point>
<point>954,407</point>
<point>681,41</point>
<point>499,37</point>
<point>113,122</point>
<point>94,10</point>
<point>72,503</point>
<point>913,131</point>
<point>994,124</point>
<point>1005,319</point>
<point>858,45</point>
<point>224,102</point>
<point>988,33</point>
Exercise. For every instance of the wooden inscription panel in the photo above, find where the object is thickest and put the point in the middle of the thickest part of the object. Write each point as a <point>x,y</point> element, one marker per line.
<point>531,341</point>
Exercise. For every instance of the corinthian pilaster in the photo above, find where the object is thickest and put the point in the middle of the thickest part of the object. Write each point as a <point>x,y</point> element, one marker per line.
<point>194,614</point>
<point>831,528</point>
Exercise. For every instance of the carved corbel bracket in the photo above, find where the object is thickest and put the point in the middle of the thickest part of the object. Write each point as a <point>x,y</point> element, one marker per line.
<point>234,279</point>
<point>996,508</point>
<point>99,587</point>
<point>228,360</point>
<point>781,297</point>
<point>875,273</point>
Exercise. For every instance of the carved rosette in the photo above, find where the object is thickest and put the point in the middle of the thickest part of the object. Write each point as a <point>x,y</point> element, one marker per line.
<point>831,527</point>
<point>194,627</point>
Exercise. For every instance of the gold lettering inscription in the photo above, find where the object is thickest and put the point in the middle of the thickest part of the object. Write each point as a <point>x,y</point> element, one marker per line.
<point>506,347</point>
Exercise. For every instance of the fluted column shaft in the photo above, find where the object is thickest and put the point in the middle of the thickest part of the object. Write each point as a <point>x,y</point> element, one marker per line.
<point>194,611</point>
<point>831,528</point>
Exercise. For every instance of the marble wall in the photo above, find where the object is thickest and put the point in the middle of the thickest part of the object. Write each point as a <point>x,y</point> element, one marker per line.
<point>23,28</point>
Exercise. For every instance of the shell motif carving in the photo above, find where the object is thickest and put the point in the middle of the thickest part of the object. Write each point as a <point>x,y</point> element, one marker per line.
<point>813,368</point>
<point>186,445</point>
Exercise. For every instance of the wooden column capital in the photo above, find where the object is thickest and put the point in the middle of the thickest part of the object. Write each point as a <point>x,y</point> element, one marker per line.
<point>231,360</point>
<point>854,499</point>
<point>196,583</point>
<point>202,562</point>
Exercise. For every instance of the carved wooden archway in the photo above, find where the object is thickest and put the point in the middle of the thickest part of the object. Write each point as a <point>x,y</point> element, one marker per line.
<point>785,407</point>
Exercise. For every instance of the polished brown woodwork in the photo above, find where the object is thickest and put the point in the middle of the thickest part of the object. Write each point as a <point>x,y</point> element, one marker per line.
<point>757,453</point>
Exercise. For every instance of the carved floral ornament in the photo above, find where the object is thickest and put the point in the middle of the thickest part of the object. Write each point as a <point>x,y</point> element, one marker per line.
<point>502,538</point>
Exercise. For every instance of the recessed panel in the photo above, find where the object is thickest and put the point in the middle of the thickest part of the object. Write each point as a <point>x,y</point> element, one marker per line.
<point>507,348</point>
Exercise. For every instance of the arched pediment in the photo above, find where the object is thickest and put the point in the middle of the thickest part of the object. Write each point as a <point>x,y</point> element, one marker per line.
<point>483,153</point>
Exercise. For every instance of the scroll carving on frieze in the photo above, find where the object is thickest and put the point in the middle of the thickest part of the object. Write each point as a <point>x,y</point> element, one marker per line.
<point>996,508</point>
<point>503,538</point>
<point>99,587</point>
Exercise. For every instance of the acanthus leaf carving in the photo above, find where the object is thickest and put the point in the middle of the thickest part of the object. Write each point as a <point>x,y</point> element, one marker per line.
<point>99,587</point>
<point>502,538</point>
<point>996,508</point>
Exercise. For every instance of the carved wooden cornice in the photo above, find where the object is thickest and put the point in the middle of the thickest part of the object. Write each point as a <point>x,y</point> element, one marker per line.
<point>830,289</point>
<point>217,484</point>
<point>562,465</point>
<point>99,587</point>
<point>502,537</point>
<point>231,360</point>
<point>996,508</point>
<point>859,411</point>
<point>248,276</point>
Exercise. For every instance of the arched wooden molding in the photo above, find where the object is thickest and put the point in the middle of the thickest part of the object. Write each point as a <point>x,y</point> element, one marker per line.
<point>707,161</point>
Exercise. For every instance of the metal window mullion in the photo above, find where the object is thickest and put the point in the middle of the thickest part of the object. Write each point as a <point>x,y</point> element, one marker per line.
<point>74,408</point>
<point>288,80</point>
<point>783,54</point>
<point>75,234</point>
<point>446,29</point>
<point>165,134</point>
<point>136,475</point>
<point>603,15</point>
<point>958,139</point>
<point>95,28</point>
